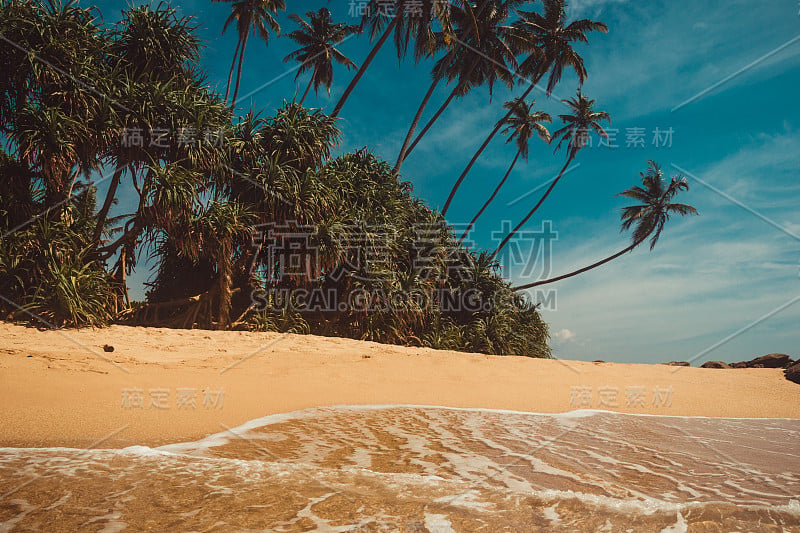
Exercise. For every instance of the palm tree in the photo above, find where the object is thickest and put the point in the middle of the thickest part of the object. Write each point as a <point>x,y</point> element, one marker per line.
<point>317,39</point>
<point>576,131</point>
<point>153,52</point>
<point>48,117</point>
<point>647,218</point>
<point>222,225</point>
<point>250,16</point>
<point>550,39</point>
<point>478,53</point>
<point>404,25</point>
<point>521,125</point>
<point>493,58</point>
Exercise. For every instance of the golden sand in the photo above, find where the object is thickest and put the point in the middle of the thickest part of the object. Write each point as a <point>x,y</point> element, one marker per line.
<point>159,386</point>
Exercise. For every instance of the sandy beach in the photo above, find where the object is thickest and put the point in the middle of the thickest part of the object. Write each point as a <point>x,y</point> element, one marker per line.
<point>158,386</point>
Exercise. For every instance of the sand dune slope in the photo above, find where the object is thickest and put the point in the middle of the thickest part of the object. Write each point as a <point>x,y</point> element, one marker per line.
<point>60,388</point>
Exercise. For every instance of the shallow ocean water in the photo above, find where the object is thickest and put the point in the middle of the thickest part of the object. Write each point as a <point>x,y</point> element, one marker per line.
<point>411,468</point>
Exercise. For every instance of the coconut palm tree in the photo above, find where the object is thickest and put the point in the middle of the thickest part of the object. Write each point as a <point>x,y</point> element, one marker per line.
<point>250,16</point>
<point>550,39</point>
<point>478,54</point>
<point>646,218</point>
<point>318,39</point>
<point>404,25</point>
<point>576,131</point>
<point>493,65</point>
<point>521,126</point>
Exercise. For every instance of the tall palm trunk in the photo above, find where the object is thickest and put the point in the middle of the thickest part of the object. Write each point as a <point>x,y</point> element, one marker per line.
<point>233,65</point>
<point>102,215</point>
<point>432,120</point>
<point>363,67</point>
<point>414,124</point>
<point>580,270</point>
<point>489,201</point>
<point>308,88</point>
<point>477,154</point>
<point>239,70</point>
<point>441,109</point>
<point>536,207</point>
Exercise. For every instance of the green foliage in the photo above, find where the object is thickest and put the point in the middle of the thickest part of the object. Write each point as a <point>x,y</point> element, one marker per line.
<point>284,321</point>
<point>46,271</point>
<point>200,204</point>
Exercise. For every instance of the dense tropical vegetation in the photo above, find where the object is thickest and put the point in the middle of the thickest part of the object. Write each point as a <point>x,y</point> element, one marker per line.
<point>256,221</point>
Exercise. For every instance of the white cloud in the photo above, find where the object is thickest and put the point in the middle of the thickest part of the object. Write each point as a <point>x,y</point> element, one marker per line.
<point>676,61</point>
<point>708,277</point>
<point>564,335</point>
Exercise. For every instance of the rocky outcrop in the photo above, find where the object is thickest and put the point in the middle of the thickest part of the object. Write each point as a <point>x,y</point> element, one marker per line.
<point>773,360</point>
<point>793,373</point>
<point>715,364</point>
<point>678,363</point>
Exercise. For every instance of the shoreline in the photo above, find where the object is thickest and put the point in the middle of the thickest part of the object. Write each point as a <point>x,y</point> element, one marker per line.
<point>165,386</point>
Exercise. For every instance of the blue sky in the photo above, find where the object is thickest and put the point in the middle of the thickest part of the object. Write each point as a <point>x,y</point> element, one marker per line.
<point>710,276</point>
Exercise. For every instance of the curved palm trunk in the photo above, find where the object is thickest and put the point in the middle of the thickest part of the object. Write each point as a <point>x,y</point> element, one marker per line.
<point>489,201</point>
<point>363,67</point>
<point>579,271</point>
<point>480,151</point>
<point>102,215</point>
<point>413,127</point>
<point>308,88</point>
<point>239,71</point>
<point>233,65</point>
<point>441,109</point>
<point>432,120</point>
<point>535,208</point>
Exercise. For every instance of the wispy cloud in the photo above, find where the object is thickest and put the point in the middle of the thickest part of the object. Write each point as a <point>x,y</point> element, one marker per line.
<point>706,276</point>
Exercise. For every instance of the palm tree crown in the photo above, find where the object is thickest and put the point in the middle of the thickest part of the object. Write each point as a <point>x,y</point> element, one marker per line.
<point>578,124</point>
<point>523,123</point>
<point>649,217</point>
<point>549,33</point>
<point>317,39</point>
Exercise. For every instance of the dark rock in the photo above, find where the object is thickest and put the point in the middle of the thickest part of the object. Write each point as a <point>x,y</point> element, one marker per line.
<point>678,363</point>
<point>793,373</point>
<point>715,364</point>
<point>598,361</point>
<point>108,348</point>
<point>773,360</point>
<point>740,364</point>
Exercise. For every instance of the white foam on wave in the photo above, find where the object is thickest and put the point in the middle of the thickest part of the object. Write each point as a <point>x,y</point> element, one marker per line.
<point>224,437</point>
<point>678,527</point>
<point>551,514</point>
<point>438,523</point>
